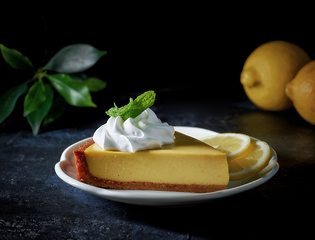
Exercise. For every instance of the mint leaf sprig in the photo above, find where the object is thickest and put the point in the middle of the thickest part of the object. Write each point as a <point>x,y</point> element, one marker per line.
<point>40,105</point>
<point>134,108</point>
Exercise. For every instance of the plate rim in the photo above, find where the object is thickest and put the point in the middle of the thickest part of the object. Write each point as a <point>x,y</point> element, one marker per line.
<point>155,198</point>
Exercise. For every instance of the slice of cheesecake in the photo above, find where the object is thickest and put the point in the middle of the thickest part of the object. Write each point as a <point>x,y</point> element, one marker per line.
<point>187,165</point>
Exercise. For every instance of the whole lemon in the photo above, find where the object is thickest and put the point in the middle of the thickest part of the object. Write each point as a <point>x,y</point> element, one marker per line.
<point>301,90</point>
<point>268,69</point>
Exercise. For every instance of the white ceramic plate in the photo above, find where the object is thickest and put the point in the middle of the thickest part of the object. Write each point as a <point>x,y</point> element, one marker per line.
<point>66,170</point>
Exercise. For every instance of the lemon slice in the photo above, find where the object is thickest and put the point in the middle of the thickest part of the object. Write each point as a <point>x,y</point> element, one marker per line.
<point>232,144</point>
<point>251,162</point>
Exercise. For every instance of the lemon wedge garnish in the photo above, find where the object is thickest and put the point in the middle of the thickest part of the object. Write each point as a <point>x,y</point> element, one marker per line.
<point>232,144</point>
<point>246,156</point>
<point>251,162</point>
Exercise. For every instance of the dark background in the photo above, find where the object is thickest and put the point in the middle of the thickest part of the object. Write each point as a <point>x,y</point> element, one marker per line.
<point>184,51</point>
<point>192,56</point>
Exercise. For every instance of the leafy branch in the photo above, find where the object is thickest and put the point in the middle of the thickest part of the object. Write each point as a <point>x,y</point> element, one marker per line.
<point>40,103</point>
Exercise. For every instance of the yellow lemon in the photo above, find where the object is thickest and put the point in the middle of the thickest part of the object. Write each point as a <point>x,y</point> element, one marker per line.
<point>232,144</point>
<point>301,90</point>
<point>268,69</point>
<point>251,162</point>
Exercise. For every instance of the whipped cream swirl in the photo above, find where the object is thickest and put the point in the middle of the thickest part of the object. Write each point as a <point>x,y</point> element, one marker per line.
<point>146,131</point>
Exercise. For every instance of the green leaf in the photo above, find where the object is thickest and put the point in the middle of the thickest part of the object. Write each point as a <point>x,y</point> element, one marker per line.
<point>55,112</point>
<point>16,59</point>
<point>134,107</point>
<point>74,58</point>
<point>74,92</point>
<point>35,118</point>
<point>94,84</point>
<point>34,98</point>
<point>77,77</point>
<point>9,98</point>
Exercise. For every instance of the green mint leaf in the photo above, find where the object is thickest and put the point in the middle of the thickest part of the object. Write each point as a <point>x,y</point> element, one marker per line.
<point>34,98</point>
<point>9,98</point>
<point>94,84</point>
<point>16,59</point>
<point>74,58</point>
<point>74,92</point>
<point>35,118</point>
<point>134,108</point>
<point>116,111</point>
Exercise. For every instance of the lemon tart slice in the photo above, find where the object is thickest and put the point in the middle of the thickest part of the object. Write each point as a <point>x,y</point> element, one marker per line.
<point>187,165</point>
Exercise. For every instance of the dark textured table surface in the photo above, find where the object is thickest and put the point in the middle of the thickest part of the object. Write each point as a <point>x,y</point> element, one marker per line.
<point>35,203</point>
